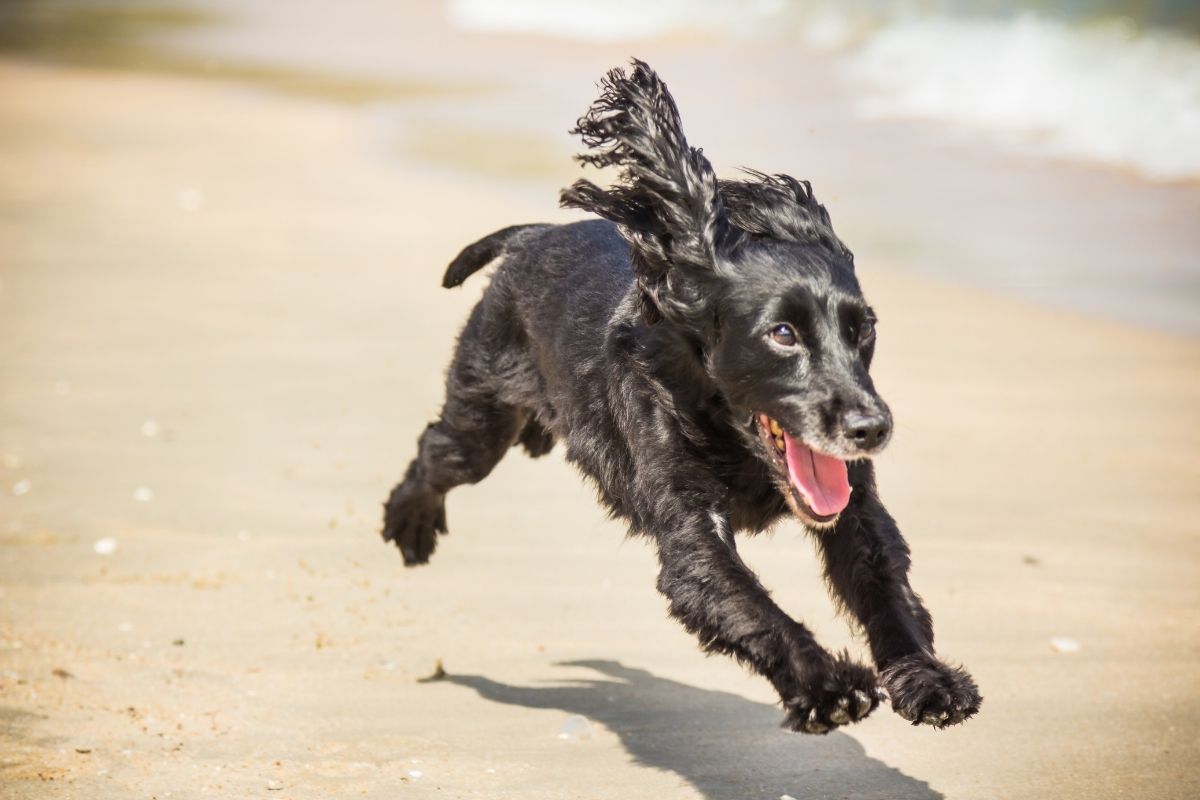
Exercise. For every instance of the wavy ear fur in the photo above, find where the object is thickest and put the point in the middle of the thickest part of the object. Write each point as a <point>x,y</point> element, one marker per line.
<point>665,197</point>
<point>781,207</point>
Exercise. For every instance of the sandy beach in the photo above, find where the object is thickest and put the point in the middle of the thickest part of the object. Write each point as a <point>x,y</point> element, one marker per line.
<point>220,332</point>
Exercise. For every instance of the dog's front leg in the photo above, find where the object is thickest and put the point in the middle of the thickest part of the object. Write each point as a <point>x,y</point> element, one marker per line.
<point>866,563</point>
<point>716,596</point>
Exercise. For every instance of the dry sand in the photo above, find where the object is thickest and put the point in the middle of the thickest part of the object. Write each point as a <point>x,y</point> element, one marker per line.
<point>249,275</point>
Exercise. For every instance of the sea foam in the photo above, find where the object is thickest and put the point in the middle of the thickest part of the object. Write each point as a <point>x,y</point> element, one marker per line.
<point>613,20</point>
<point>1104,91</point>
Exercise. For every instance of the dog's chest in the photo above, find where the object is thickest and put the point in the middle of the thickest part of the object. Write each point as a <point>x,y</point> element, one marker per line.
<point>754,509</point>
<point>753,500</point>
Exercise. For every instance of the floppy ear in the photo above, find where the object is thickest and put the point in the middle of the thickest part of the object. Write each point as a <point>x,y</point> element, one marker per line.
<point>665,198</point>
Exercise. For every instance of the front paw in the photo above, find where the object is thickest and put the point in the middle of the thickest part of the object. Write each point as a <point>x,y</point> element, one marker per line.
<point>837,694</point>
<point>927,692</point>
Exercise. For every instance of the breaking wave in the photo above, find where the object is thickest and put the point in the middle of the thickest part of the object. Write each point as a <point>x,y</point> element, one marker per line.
<point>1098,86</point>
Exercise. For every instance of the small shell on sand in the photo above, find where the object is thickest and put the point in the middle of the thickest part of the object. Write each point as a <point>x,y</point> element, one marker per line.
<point>575,728</point>
<point>1064,644</point>
<point>106,546</point>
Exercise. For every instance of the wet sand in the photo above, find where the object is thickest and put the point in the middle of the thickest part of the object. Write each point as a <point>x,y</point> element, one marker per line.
<point>250,274</point>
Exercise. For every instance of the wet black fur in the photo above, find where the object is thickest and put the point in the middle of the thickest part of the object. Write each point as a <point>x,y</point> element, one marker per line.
<point>642,342</point>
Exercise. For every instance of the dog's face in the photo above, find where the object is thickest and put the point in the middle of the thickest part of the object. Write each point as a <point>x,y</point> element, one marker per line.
<point>791,353</point>
<point>753,271</point>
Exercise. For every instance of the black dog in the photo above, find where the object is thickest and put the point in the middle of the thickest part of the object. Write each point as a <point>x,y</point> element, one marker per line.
<point>703,353</point>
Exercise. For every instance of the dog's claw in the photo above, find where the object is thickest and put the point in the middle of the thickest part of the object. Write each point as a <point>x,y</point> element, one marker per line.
<point>813,724</point>
<point>862,704</point>
<point>935,718</point>
<point>841,714</point>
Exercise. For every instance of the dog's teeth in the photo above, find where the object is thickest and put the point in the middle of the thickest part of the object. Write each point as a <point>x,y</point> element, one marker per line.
<point>775,429</point>
<point>780,444</point>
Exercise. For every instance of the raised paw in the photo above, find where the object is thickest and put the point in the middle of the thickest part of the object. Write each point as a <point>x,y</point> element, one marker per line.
<point>840,694</point>
<point>413,518</point>
<point>927,692</point>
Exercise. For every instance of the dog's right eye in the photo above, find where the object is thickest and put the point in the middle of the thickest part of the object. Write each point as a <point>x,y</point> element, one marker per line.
<point>784,334</point>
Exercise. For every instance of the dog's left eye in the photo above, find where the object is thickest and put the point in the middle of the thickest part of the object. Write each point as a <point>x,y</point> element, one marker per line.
<point>784,334</point>
<point>866,331</point>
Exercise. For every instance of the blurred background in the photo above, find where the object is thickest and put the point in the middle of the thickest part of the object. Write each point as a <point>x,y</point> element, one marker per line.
<point>222,228</point>
<point>946,123</point>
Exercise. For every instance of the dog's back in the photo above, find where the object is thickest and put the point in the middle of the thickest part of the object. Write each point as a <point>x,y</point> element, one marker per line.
<point>551,300</point>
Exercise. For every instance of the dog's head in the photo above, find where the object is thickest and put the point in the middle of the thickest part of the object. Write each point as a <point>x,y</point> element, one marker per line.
<point>752,273</point>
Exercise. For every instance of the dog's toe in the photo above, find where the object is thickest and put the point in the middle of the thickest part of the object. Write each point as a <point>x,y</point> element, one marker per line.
<point>813,723</point>
<point>841,713</point>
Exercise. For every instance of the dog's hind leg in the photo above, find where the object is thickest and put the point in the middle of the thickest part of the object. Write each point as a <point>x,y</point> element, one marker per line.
<point>463,446</point>
<point>474,431</point>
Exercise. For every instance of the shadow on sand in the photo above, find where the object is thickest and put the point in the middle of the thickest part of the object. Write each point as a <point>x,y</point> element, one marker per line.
<point>722,744</point>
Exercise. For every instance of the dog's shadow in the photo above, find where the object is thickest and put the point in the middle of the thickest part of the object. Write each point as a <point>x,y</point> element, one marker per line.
<point>722,744</point>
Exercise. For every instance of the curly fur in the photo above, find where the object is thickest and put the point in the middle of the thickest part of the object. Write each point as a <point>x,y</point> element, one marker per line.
<point>641,342</point>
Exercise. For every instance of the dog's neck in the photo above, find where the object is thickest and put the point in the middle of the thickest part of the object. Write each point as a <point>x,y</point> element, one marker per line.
<point>675,361</point>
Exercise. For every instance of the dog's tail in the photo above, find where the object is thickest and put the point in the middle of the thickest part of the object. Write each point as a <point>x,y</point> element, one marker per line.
<point>475,257</point>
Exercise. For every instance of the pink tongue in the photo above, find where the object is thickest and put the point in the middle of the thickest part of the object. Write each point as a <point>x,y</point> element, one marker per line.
<point>821,479</point>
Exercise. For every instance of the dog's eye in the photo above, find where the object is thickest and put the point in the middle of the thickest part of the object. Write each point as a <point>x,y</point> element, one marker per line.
<point>866,331</point>
<point>784,334</point>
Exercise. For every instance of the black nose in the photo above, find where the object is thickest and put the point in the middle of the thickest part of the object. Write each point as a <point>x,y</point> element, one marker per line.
<point>866,430</point>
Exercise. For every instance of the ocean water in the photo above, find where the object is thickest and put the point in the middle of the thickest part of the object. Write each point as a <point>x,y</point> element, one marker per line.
<point>1102,91</point>
<point>1045,150</point>
<point>1116,84</point>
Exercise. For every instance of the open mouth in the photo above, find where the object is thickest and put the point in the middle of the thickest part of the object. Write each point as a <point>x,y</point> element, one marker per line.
<point>816,486</point>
